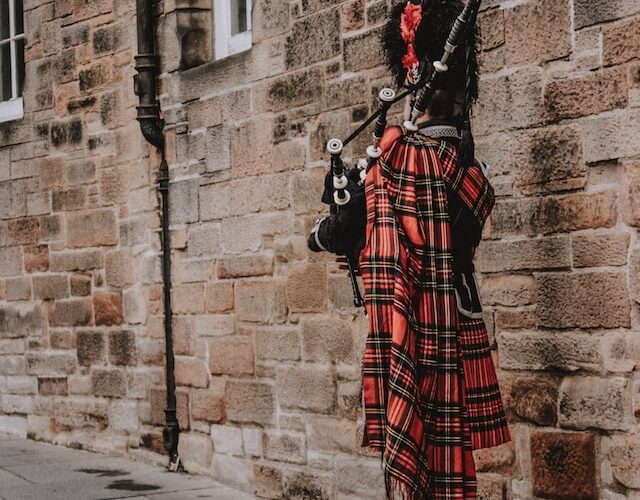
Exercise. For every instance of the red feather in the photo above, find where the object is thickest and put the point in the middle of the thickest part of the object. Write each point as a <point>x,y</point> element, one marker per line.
<point>409,21</point>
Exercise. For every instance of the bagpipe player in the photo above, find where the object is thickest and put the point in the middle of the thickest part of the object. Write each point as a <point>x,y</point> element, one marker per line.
<point>410,223</point>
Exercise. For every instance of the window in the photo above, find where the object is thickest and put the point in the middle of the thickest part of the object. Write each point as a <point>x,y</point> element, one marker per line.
<point>232,26</point>
<point>11,59</point>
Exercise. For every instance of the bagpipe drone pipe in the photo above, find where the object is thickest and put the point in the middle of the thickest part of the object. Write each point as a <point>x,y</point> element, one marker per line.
<point>343,231</point>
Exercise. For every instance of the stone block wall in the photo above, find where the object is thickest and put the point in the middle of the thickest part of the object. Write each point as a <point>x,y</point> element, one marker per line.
<point>267,342</point>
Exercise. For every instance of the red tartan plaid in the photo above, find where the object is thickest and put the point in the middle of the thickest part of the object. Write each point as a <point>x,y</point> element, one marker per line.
<point>430,392</point>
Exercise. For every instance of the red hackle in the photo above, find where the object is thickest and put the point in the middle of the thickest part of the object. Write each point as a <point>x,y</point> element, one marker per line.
<point>409,21</point>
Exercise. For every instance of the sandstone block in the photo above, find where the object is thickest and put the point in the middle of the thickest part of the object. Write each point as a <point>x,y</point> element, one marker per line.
<point>122,348</point>
<point>589,12</point>
<point>359,477</point>
<point>107,308</point>
<point>250,402</point>
<point>564,465</point>
<point>608,137</point>
<point>328,339</point>
<point>307,288</point>
<point>231,355</point>
<point>52,386</point>
<point>91,347</point>
<point>219,296</point>
<point>188,299</point>
<point>110,383</point>
<point>492,30</point>
<point>208,405</point>
<point>245,266</point>
<point>307,387</point>
<point>538,31</point>
<point>71,312</point>
<point>10,261</point>
<point>331,434</point>
<point>584,96</point>
<point>496,111</point>
<point>285,446</point>
<point>290,91</point>
<point>260,301</point>
<point>79,260</point>
<point>36,258</point>
<point>543,351</point>
<point>119,267</point>
<point>123,416</point>
<point>184,201</point>
<point>50,287</point>
<point>242,196</point>
<point>545,253</point>
<point>362,51</point>
<point>313,38</point>
<point>92,228</point>
<point>620,41</point>
<point>600,249</point>
<point>534,400</point>
<point>584,300</point>
<point>191,372</point>
<point>20,320</point>
<point>213,325</point>
<point>227,439</point>
<point>548,160</point>
<point>196,451</point>
<point>267,481</point>
<point>515,290</point>
<point>595,402</point>
<point>552,214</point>
<point>52,363</point>
<point>204,239</point>
<point>625,460</point>
<point>277,343</point>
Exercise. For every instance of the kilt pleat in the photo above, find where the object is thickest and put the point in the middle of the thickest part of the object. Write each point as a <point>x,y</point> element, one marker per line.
<point>430,392</point>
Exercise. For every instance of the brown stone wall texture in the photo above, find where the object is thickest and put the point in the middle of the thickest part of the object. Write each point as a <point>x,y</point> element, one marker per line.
<point>267,342</point>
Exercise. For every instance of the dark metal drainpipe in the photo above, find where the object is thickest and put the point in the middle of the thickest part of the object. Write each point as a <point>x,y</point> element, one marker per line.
<point>152,125</point>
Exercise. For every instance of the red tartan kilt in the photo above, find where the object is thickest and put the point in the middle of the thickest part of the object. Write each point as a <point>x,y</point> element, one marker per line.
<point>485,411</point>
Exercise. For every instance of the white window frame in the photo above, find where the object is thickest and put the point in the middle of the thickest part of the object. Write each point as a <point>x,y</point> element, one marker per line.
<point>13,109</point>
<point>225,43</point>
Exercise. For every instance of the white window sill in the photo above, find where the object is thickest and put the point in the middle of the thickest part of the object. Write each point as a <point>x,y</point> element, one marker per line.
<point>12,109</point>
<point>233,45</point>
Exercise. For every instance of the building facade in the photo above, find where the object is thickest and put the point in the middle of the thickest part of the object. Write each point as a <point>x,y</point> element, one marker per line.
<point>267,342</point>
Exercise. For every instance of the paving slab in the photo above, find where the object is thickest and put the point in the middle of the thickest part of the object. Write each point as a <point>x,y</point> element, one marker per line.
<point>31,470</point>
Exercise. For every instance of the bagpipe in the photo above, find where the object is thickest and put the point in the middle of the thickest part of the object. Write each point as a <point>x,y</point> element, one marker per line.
<point>343,231</point>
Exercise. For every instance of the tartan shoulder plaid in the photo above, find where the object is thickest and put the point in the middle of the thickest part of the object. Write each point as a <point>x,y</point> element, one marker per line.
<point>430,392</point>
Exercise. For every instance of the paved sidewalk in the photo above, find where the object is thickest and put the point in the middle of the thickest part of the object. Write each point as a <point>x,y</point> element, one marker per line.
<point>38,471</point>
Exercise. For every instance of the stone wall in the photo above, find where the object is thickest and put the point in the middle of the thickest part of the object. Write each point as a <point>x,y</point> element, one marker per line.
<point>268,345</point>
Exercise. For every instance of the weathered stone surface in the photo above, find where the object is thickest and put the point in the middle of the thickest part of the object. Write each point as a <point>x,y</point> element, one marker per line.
<point>363,51</point>
<point>508,290</point>
<point>620,41</point>
<point>564,465</point>
<point>285,446</point>
<point>608,137</point>
<point>599,249</point>
<point>50,287</point>
<point>260,301</point>
<point>625,460</point>
<point>314,38</point>
<point>107,308</point>
<point>52,386</point>
<point>91,229</point>
<point>543,351</point>
<point>307,288</point>
<point>71,312</point>
<point>208,405</point>
<point>589,12</point>
<point>91,347</point>
<point>585,300</point>
<point>307,387</point>
<point>122,348</point>
<point>328,340</point>
<point>546,253</point>
<point>534,400</point>
<point>191,372</point>
<point>231,355</point>
<point>603,403</point>
<point>277,343</point>
<point>196,451</point>
<point>551,214</point>
<point>537,31</point>
<point>593,94</point>
<point>248,401</point>
<point>290,91</point>
<point>109,383</point>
